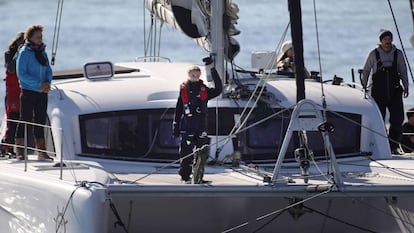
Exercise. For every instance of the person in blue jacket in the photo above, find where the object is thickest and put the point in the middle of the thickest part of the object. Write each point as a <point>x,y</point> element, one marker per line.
<point>35,75</point>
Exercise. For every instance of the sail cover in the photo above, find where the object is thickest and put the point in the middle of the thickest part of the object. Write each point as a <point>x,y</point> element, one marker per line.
<point>185,16</point>
<point>192,17</point>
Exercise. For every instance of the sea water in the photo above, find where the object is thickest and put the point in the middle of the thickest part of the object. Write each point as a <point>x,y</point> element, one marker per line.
<point>113,30</point>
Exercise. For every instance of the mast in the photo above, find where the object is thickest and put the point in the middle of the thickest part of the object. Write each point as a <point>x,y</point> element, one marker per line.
<point>295,13</point>
<point>217,36</point>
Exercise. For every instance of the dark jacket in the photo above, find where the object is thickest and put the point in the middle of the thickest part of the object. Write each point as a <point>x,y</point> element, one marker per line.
<point>196,121</point>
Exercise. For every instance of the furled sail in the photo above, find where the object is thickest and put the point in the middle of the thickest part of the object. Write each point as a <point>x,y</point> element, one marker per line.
<point>192,17</point>
<point>187,16</point>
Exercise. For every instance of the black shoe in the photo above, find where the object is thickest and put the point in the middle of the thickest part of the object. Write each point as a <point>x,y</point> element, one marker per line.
<point>396,151</point>
<point>186,180</point>
<point>11,155</point>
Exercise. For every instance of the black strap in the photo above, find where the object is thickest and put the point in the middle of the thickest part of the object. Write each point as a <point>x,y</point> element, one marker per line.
<point>379,62</point>
<point>394,62</point>
<point>118,218</point>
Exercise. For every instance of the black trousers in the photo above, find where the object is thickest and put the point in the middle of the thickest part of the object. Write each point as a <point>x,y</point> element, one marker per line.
<point>11,127</point>
<point>188,144</point>
<point>33,107</point>
<point>396,109</point>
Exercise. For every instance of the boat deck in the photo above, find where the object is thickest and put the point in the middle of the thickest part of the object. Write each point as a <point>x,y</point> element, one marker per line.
<point>363,174</point>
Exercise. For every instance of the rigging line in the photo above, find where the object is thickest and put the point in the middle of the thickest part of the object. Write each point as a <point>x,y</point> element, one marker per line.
<point>325,134</point>
<point>145,27</point>
<point>355,122</point>
<point>235,130</point>
<point>153,40</point>
<point>317,168</point>
<point>239,125</point>
<point>155,135</point>
<point>118,218</point>
<point>56,30</point>
<point>320,67</point>
<point>154,45</point>
<point>258,86</point>
<point>214,144</point>
<point>325,220</point>
<point>65,209</point>
<point>169,164</point>
<point>147,44</point>
<point>276,212</point>
<point>399,37</point>
<point>245,172</point>
<point>363,126</point>
<point>318,47</point>
<point>326,152</point>
<point>337,219</point>
<point>263,120</point>
<point>150,39</point>
<point>86,184</point>
<point>159,41</point>
<point>72,167</point>
<point>296,203</point>
<point>393,170</point>
<point>374,207</point>
<point>268,222</point>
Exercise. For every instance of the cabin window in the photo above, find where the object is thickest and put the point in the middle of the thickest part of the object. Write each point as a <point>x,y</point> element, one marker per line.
<point>137,135</point>
<point>164,134</point>
<point>147,135</point>
<point>261,143</point>
<point>130,135</point>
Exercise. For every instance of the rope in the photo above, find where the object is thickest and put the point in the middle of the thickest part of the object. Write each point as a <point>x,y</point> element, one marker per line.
<point>119,220</point>
<point>399,37</point>
<point>238,125</point>
<point>207,146</point>
<point>375,207</point>
<point>397,171</point>
<point>327,153</point>
<point>337,219</point>
<point>66,208</point>
<point>85,184</point>
<point>56,31</point>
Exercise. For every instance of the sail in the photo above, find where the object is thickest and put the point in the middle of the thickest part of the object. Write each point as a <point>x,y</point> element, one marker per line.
<point>186,16</point>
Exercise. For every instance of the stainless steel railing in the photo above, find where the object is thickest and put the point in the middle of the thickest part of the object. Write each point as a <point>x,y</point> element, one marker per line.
<point>26,147</point>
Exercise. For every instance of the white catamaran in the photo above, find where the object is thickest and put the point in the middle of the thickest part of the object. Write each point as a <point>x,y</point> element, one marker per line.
<point>280,160</point>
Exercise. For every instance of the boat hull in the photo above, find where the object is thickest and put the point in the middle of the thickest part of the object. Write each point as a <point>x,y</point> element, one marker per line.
<point>232,209</point>
<point>31,202</point>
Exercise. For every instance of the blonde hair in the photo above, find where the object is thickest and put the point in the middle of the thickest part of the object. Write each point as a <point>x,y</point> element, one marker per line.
<point>194,68</point>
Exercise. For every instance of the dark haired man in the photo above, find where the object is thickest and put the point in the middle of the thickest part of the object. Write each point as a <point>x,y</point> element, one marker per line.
<point>389,70</point>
